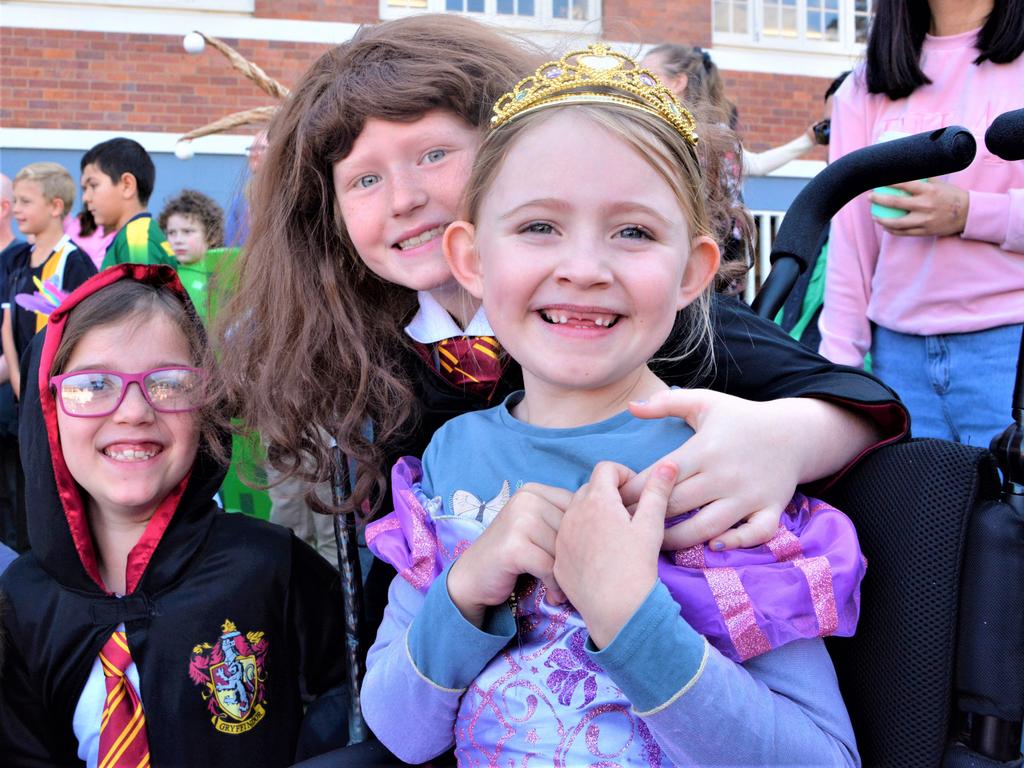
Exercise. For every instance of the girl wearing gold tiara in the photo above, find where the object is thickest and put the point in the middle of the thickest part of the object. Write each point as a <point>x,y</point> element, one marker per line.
<point>534,622</point>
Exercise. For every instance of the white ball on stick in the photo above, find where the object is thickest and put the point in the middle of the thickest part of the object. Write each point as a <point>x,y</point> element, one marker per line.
<point>194,42</point>
<point>184,150</point>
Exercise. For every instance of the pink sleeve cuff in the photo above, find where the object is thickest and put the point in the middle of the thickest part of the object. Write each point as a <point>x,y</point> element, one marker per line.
<point>988,217</point>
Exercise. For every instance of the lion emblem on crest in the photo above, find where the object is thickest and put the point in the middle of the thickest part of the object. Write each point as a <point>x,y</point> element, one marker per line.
<point>232,673</point>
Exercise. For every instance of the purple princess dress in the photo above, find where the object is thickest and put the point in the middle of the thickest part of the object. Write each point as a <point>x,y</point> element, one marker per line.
<point>544,700</point>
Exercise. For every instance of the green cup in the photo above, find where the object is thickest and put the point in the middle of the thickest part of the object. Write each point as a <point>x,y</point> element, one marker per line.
<point>884,211</point>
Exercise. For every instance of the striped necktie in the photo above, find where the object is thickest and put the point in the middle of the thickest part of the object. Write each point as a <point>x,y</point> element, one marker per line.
<point>123,742</point>
<point>472,363</point>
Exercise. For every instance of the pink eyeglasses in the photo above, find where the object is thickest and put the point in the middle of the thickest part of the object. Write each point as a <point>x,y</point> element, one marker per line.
<point>100,393</point>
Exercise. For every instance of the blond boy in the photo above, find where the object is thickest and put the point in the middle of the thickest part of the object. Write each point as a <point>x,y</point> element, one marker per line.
<point>43,194</point>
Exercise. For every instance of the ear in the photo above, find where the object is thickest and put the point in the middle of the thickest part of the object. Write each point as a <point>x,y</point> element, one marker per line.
<point>701,268</point>
<point>57,208</point>
<point>679,83</point>
<point>129,185</point>
<point>460,252</point>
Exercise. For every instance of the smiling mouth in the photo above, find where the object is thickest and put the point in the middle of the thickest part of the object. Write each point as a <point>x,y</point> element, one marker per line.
<point>421,238</point>
<point>132,454</point>
<point>579,319</point>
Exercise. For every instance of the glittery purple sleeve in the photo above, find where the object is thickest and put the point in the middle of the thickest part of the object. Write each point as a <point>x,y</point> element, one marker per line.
<point>406,538</point>
<point>803,583</point>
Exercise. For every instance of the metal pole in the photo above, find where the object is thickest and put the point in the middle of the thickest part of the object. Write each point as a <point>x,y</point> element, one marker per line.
<point>352,591</point>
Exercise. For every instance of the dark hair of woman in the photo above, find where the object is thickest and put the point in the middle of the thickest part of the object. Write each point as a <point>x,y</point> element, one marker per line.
<point>898,32</point>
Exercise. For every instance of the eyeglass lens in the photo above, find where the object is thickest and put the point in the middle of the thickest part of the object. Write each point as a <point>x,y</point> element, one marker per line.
<point>92,393</point>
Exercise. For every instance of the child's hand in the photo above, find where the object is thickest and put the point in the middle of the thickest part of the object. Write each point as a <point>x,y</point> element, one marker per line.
<point>520,539</point>
<point>606,559</point>
<point>746,461</point>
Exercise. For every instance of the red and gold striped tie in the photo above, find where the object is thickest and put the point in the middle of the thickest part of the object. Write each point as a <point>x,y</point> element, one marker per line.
<point>123,742</point>
<point>470,362</point>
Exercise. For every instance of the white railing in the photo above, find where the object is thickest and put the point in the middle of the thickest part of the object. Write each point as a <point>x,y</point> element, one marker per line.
<point>766,224</point>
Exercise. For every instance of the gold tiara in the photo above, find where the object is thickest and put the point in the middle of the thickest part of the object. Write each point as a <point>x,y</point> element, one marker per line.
<point>595,75</point>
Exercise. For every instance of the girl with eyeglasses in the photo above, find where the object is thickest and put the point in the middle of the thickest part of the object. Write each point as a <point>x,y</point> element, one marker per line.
<point>145,625</point>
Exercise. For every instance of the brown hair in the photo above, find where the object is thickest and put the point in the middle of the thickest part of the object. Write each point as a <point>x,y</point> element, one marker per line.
<point>684,167</point>
<point>311,341</point>
<point>132,301</point>
<point>704,86</point>
<point>200,207</point>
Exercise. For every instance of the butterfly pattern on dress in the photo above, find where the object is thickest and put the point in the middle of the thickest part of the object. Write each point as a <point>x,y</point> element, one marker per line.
<point>466,504</point>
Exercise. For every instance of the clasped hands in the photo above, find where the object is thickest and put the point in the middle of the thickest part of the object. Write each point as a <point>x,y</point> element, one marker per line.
<point>598,547</point>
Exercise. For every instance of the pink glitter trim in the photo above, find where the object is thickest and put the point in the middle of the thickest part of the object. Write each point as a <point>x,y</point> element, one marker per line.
<point>375,529</point>
<point>736,608</point>
<point>818,572</point>
<point>690,558</point>
<point>785,546</point>
<point>421,573</point>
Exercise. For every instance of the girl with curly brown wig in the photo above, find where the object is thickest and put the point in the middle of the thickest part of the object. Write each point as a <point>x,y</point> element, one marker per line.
<point>342,288</point>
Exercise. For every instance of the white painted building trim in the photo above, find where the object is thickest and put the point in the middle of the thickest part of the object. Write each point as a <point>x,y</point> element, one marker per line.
<point>779,61</point>
<point>38,138</point>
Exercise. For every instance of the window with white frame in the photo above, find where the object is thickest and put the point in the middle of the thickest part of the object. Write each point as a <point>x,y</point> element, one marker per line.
<point>807,24</point>
<point>553,14</point>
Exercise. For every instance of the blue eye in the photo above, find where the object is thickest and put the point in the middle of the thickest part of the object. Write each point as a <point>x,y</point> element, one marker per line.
<point>363,182</point>
<point>538,228</point>
<point>435,155</point>
<point>635,233</point>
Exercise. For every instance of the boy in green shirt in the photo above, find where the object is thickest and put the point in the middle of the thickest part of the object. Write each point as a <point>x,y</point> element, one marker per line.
<point>117,180</point>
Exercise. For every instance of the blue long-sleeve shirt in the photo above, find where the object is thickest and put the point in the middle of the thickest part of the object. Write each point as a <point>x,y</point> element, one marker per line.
<point>433,676</point>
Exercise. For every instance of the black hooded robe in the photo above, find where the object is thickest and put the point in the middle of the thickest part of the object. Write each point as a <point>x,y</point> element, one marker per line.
<point>197,578</point>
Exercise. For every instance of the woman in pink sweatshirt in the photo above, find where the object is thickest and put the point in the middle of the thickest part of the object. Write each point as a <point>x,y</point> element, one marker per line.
<point>935,293</point>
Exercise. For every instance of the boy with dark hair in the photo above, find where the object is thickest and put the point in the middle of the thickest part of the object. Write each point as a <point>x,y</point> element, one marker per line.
<point>117,180</point>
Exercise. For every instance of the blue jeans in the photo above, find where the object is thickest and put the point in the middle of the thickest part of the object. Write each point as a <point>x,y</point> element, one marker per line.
<point>957,386</point>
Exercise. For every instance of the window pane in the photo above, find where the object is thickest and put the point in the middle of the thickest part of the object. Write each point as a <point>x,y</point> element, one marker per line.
<point>475,6</point>
<point>453,5</point>
<point>739,18</point>
<point>722,11</point>
<point>506,6</point>
<point>579,10</point>
<point>832,26</point>
<point>560,9</point>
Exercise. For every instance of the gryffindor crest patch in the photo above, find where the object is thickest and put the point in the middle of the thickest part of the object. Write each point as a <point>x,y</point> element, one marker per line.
<point>232,673</point>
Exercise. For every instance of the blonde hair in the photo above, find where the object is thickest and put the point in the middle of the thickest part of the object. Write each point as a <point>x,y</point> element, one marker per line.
<point>689,171</point>
<point>53,179</point>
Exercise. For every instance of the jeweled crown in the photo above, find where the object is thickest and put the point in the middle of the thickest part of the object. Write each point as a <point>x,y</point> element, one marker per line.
<point>596,74</point>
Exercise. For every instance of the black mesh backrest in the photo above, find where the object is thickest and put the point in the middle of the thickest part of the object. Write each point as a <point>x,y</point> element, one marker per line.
<point>911,503</point>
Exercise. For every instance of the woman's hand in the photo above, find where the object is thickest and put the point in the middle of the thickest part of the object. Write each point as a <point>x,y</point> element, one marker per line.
<point>935,209</point>
<point>746,460</point>
<point>606,559</point>
<point>520,539</point>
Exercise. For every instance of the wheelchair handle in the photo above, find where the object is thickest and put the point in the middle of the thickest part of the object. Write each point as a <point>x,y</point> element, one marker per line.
<point>934,153</point>
<point>1005,137</point>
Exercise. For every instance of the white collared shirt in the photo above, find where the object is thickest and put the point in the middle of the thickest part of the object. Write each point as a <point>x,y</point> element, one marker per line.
<point>432,322</point>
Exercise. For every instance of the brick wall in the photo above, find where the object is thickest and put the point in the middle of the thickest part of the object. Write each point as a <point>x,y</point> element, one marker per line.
<point>658,21</point>
<point>354,11</point>
<point>138,82</point>
<point>107,81</point>
<point>775,108</point>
